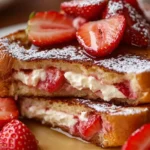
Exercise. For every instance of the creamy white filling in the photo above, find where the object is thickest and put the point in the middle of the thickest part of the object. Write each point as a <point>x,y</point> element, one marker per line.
<point>76,80</point>
<point>52,116</point>
<point>80,82</point>
<point>32,79</point>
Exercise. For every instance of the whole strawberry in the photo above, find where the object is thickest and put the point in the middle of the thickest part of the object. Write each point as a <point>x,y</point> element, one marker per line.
<point>16,136</point>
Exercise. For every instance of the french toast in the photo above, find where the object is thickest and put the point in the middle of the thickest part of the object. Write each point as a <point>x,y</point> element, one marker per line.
<point>122,77</point>
<point>103,124</point>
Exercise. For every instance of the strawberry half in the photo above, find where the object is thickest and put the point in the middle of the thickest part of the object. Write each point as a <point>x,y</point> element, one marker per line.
<point>100,38</point>
<point>139,140</point>
<point>84,8</point>
<point>134,3</point>
<point>87,129</point>
<point>8,111</point>
<point>47,28</point>
<point>16,136</point>
<point>137,32</point>
<point>53,82</point>
<point>114,7</point>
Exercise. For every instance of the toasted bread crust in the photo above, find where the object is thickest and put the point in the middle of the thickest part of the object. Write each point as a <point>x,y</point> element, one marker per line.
<point>125,63</point>
<point>118,122</point>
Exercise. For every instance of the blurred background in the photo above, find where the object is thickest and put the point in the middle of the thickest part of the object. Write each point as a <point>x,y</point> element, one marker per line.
<point>17,11</point>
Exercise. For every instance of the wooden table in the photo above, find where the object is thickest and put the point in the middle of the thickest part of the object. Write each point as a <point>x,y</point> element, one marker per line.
<point>19,10</point>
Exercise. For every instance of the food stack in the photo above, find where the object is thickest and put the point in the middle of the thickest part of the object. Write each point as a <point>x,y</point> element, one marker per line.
<point>84,70</point>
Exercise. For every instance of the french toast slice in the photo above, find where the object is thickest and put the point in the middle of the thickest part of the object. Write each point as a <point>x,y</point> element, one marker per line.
<point>122,77</point>
<point>100,123</point>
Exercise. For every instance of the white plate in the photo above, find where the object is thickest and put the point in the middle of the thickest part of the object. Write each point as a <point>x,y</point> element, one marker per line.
<point>11,29</point>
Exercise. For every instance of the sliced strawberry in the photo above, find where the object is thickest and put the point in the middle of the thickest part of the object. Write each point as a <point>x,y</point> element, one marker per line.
<point>87,129</point>
<point>124,88</point>
<point>84,8</point>
<point>114,7</point>
<point>8,111</point>
<point>47,28</point>
<point>139,140</point>
<point>53,82</point>
<point>78,21</point>
<point>134,3</point>
<point>137,32</point>
<point>100,38</point>
<point>16,136</point>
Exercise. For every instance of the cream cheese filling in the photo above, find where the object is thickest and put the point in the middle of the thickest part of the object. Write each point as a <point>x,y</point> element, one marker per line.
<point>80,82</point>
<point>31,79</point>
<point>76,80</point>
<point>55,117</point>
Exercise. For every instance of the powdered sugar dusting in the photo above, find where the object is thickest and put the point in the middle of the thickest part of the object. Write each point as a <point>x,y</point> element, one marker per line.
<point>140,24</point>
<point>19,52</point>
<point>114,8</point>
<point>84,3</point>
<point>121,63</point>
<point>126,63</point>
<point>113,109</point>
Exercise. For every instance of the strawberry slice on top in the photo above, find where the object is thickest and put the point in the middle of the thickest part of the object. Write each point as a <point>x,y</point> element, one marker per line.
<point>48,28</point>
<point>134,3</point>
<point>139,140</point>
<point>137,32</point>
<point>100,38</point>
<point>88,9</point>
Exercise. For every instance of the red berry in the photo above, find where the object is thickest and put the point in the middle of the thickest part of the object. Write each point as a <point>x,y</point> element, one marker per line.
<point>88,9</point>
<point>78,21</point>
<point>124,88</point>
<point>100,38</point>
<point>48,28</point>
<point>139,140</point>
<point>16,136</point>
<point>87,129</point>
<point>134,3</point>
<point>114,7</point>
<point>8,111</point>
<point>137,31</point>
<point>54,80</point>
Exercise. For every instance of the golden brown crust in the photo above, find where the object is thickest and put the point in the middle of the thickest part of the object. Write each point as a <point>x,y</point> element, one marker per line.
<point>118,122</point>
<point>6,63</point>
<point>5,86</point>
<point>125,63</point>
<point>144,83</point>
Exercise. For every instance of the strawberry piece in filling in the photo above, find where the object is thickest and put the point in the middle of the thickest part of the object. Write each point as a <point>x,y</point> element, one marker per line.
<point>124,87</point>
<point>89,127</point>
<point>53,81</point>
